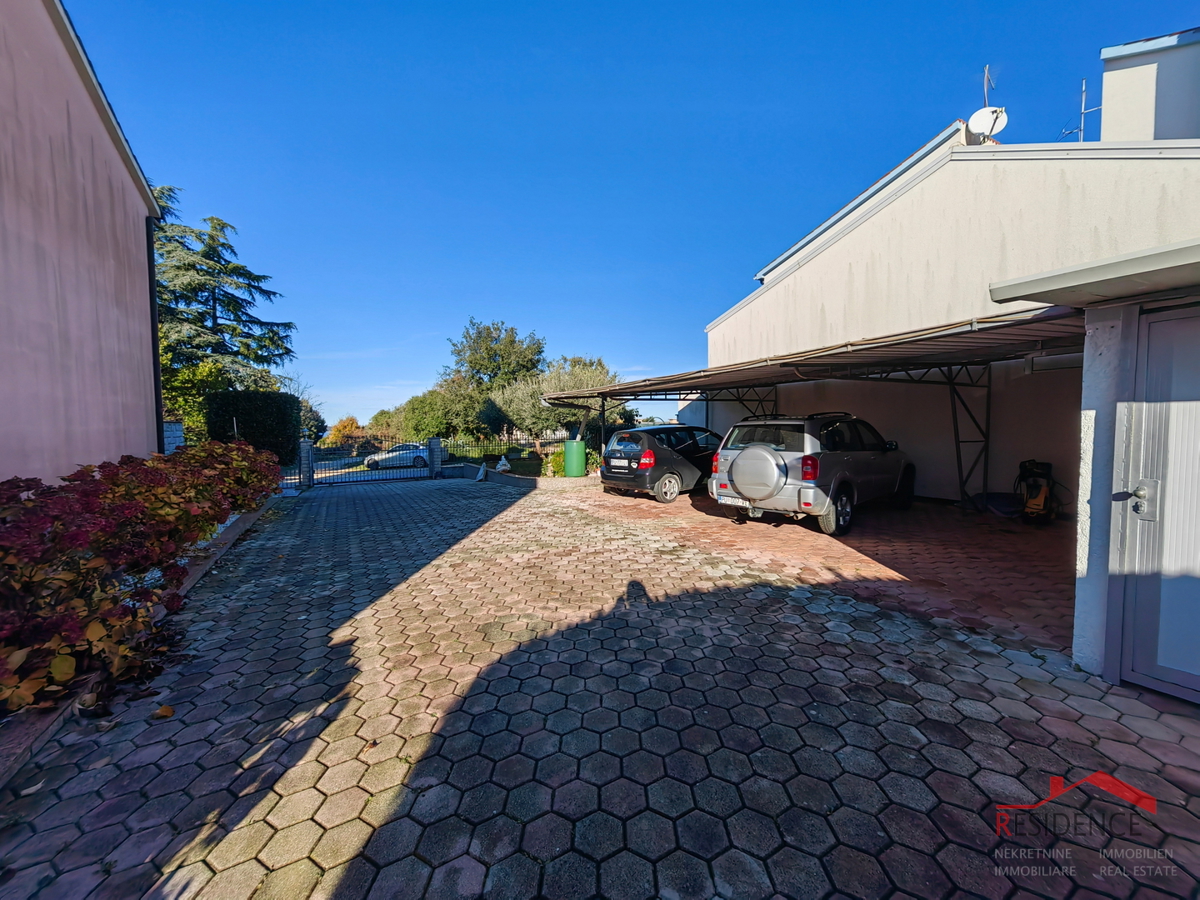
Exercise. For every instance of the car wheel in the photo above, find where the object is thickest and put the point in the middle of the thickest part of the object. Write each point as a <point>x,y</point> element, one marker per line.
<point>837,519</point>
<point>667,488</point>
<point>372,464</point>
<point>419,462</point>
<point>903,497</point>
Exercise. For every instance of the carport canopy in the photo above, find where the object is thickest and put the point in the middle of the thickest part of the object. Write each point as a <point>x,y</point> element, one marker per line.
<point>941,355</point>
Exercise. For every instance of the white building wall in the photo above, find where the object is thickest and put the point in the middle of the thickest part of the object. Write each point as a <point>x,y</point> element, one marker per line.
<point>1034,416</point>
<point>1152,96</point>
<point>987,214</point>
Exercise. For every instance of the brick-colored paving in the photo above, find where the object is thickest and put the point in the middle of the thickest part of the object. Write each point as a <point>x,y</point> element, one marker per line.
<point>937,560</point>
<point>455,690</point>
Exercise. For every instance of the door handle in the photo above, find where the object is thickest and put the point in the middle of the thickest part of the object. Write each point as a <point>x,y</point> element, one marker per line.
<point>1141,493</point>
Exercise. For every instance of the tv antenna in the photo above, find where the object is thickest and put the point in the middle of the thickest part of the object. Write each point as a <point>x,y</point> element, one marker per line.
<point>1083,111</point>
<point>989,121</point>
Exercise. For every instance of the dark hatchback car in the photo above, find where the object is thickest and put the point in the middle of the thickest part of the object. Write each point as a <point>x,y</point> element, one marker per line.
<point>663,460</point>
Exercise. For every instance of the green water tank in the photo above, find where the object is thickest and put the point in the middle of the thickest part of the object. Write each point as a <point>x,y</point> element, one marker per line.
<point>574,459</point>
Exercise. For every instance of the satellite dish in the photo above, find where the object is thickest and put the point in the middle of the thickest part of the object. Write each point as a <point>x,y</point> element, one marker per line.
<point>988,121</point>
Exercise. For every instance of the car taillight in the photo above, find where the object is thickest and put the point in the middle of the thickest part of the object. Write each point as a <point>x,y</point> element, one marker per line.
<point>810,468</point>
<point>647,460</point>
<point>715,461</point>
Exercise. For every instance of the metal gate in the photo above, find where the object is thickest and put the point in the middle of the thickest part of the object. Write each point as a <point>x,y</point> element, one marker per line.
<point>374,457</point>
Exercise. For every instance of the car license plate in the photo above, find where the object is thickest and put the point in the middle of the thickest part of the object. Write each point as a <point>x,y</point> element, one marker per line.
<point>619,463</point>
<point>733,501</point>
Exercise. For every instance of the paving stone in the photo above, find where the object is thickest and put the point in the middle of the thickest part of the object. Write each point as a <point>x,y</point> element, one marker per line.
<point>599,835</point>
<point>514,878</point>
<point>296,880</point>
<point>237,883</point>
<point>627,877</point>
<point>684,876</point>
<point>350,881</point>
<point>406,879</point>
<point>482,691</point>
<point>702,835</point>
<point>571,877</point>
<point>90,848</point>
<point>290,844</point>
<point>458,879</point>
<point>738,875</point>
<point>856,873</point>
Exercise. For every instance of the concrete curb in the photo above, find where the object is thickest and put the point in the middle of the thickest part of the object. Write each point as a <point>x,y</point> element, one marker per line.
<point>206,558</point>
<point>526,481</point>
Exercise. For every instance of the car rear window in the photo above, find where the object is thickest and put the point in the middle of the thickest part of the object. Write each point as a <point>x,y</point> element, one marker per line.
<point>625,440</point>
<point>777,437</point>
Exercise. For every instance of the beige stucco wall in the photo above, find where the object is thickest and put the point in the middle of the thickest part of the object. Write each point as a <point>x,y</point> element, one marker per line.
<point>987,214</point>
<point>76,354</point>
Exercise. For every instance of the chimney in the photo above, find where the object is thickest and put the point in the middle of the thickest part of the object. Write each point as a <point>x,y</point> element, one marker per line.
<point>1152,89</point>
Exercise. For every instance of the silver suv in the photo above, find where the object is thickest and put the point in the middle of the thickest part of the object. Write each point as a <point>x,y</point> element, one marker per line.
<point>817,465</point>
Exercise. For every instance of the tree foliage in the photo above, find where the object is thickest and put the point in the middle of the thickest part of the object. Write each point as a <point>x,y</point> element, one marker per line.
<point>207,297</point>
<point>492,355</point>
<point>312,424</point>
<point>387,422</point>
<point>210,339</point>
<point>425,416</point>
<point>344,431</point>
<point>495,385</point>
<point>520,404</point>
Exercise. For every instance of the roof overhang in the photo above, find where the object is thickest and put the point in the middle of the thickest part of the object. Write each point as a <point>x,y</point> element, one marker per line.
<point>1167,268</point>
<point>974,342</point>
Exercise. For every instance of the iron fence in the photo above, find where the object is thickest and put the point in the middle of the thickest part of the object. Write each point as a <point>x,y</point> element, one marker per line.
<point>382,457</point>
<point>371,457</point>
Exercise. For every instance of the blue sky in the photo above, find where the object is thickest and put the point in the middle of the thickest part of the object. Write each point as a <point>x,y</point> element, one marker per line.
<point>609,175</point>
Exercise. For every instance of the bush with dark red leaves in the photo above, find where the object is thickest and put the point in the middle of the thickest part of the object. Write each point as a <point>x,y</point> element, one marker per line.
<point>88,566</point>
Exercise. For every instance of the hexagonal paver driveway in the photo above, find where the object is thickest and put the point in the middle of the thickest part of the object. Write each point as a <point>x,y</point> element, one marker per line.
<point>450,689</point>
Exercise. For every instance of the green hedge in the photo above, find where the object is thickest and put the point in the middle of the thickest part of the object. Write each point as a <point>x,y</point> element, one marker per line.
<point>267,420</point>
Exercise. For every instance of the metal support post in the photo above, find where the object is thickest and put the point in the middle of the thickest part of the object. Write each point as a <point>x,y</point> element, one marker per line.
<point>983,429</point>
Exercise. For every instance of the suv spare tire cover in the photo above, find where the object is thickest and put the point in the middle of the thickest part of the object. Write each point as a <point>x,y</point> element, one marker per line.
<point>758,472</point>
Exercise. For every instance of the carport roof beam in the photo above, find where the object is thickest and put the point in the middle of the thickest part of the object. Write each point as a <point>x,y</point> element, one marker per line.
<point>972,342</point>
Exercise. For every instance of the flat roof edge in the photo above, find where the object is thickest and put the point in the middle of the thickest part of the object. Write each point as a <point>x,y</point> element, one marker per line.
<point>1149,45</point>
<point>1167,267</point>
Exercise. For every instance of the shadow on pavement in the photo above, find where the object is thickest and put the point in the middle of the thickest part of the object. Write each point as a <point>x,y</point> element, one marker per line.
<point>744,743</point>
<point>379,708</point>
<point>269,681</point>
<point>980,570</point>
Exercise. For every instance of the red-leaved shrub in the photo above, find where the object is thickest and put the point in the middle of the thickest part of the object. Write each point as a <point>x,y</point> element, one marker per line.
<point>86,565</point>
